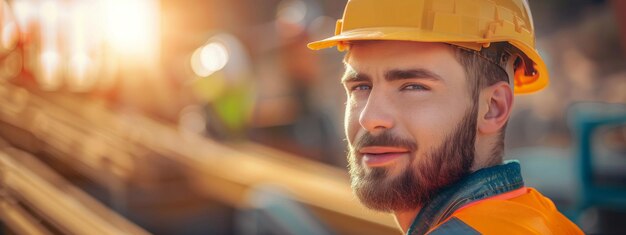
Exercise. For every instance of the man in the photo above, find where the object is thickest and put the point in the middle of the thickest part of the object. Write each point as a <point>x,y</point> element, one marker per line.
<point>430,87</point>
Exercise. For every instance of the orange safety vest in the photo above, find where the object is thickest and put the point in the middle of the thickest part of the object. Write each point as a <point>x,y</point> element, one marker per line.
<point>491,200</point>
<point>521,211</point>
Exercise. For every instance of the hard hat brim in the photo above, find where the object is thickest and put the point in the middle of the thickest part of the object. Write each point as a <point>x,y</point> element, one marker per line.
<point>396,34</point>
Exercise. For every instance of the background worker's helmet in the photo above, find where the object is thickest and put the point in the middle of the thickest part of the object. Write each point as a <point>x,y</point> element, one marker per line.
<point>471,24</point>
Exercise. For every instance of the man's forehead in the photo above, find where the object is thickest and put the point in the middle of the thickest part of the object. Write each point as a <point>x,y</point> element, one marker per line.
<point>397,52</point>
<point>363,55</point>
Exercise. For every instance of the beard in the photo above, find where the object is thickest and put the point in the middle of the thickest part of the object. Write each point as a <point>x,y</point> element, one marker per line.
<point>423,177</point>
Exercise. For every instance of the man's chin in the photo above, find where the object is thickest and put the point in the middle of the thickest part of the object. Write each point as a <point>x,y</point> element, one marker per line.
<point>384,173</point>
<point>377,189</point>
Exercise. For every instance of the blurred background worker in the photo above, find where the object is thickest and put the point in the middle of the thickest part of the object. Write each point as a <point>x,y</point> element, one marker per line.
<point>212,117</point>
<point>430,89</point>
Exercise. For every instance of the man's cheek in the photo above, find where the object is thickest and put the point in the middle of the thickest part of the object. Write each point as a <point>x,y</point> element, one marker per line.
<point>351,122</point>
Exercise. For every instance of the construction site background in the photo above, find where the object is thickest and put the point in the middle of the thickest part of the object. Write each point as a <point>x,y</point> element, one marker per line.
<point>212,117</point>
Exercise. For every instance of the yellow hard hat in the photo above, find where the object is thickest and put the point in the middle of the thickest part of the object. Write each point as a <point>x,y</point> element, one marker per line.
<point>472,24</point>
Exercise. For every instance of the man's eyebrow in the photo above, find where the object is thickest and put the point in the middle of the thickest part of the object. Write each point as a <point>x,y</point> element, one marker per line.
<point>353,76</point>
<point>399,74</point>
<point>392,75</point>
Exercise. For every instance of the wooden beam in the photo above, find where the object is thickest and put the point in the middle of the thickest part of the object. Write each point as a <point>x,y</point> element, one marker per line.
<point>55,200</point>
<point>221,172</point>
<point>18,220</point>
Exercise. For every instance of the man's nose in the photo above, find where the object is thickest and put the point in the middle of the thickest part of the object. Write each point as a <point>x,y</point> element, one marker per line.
<point>376,116</point>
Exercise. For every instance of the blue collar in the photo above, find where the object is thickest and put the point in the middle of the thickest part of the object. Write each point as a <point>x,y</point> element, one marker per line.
<point>478,185</point>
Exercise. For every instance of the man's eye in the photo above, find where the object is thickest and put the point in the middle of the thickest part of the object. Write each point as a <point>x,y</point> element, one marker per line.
<point>361,87</point>
<point>414,87</point>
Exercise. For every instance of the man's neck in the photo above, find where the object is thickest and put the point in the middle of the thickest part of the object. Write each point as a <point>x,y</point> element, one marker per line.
<point>405,218</point>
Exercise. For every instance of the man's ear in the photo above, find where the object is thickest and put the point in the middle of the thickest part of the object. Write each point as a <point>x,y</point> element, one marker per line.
<point>495,103</point>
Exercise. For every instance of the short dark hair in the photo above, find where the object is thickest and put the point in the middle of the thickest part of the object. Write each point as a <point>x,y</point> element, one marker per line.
<point>481,73</point>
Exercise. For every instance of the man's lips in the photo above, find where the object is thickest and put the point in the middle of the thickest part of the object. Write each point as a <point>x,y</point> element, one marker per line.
<point>382,150</point>
<point>377,156</point>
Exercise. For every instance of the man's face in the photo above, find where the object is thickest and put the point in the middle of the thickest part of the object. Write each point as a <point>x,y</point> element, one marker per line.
<point>410,122</point>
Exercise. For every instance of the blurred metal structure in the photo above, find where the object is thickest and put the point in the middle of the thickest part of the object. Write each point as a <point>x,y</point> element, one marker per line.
<point>587,119</point>
<point>31,192</point>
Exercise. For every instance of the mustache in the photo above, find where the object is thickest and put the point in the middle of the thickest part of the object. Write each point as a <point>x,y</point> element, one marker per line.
<point>384,139</point>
